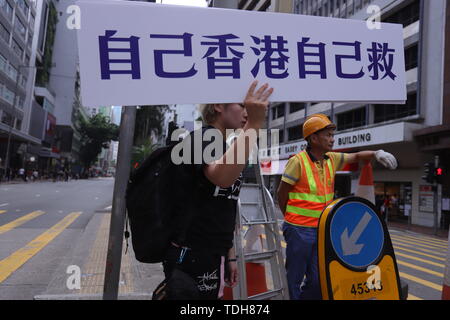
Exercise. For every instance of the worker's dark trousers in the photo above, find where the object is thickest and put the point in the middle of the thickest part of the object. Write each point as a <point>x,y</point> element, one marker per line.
<point>301,261</point>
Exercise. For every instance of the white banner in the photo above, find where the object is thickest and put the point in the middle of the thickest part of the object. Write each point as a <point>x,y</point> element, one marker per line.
<point>135,53</point>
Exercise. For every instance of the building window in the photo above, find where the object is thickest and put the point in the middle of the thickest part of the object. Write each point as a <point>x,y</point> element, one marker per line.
<point>3,64</point>
<point>8,95</point>
<point>4,33</point>
<point>296,106</point>
<point>7,118</point>
<point>20,28</point>
<point>351,119</point>
<point>295,133</point>
<point>12,72</point>
<point>6,9</point>
<point>23,6</point>
<point>18,124</point>
<point>23,81</point>
<point>411,57</point>
<point>390,112</point>
<point>17,49</point>
<point>407,15</point>
<point>278,111</point>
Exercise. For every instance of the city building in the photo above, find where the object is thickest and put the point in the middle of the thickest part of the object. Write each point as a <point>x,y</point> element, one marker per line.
<point>415,132</point>
<point>17,31</point>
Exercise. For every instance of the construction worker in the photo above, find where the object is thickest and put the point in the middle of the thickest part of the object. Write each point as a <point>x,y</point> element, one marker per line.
<point>306,188</point>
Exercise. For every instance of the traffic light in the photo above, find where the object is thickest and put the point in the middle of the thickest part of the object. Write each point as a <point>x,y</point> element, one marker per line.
<point>439,174</point>
<point>429,172</point>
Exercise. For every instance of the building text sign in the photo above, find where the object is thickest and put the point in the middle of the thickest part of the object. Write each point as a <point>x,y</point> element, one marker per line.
<point>134,53</point>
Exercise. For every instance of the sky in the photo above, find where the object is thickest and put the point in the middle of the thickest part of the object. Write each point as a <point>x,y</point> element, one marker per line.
<point>196,3</point>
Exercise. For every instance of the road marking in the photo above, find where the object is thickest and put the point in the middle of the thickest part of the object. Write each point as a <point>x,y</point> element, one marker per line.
<point>108,208</point>
<point>421,249</point>
<point>411,297</point>
<point>429,239</point>
<point>409,265</point>
<point>2,211</point>
<point>420,253</point>
<point>4,204</point>
<point>435,247</point>
<point>419,259</point>
<point>20,221</point>
<point>18,258</point>
<point>421,281</point>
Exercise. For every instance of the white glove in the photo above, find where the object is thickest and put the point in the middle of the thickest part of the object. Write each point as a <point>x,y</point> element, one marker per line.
<point>386,159</point>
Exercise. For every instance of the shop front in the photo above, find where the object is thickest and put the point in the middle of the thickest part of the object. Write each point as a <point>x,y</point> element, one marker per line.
<point>393,200</point>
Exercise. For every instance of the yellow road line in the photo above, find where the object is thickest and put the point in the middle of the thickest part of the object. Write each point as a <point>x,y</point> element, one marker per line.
<point>409,265</point>
<point>20,221</point>
<point>434,246</point>
<point>18,258</point>
<point>429,239</point>
<point>421,249</point>
<point>411,297</point>
<point>2,211</point>
<point>418,252</point>
<point>419,259</point>
<point>421,281</point>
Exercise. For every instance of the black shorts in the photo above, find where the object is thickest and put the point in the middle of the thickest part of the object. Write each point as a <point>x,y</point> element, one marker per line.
<point>204,268</point>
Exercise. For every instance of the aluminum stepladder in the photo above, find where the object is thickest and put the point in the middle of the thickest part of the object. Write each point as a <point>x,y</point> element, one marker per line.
<point>256,209</point>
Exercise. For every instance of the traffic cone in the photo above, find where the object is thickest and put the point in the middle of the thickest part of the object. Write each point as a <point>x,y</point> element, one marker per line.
<point>446,284</point>
<point>365,187</point>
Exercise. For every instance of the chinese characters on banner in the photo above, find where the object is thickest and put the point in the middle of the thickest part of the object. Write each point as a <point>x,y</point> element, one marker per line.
<point>222,60</point>
<point>181,60</point>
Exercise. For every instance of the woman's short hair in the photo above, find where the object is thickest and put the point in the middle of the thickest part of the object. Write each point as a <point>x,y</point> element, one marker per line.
<point>208,112</point>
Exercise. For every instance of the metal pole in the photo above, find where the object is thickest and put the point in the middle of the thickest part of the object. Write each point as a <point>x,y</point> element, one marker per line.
<point>114,256</point>
<point>436,194</point>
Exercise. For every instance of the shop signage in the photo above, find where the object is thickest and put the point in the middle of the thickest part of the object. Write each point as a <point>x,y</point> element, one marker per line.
<point>360,138</point>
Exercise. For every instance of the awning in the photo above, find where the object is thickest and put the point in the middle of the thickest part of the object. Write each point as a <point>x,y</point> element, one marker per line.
<point>47,153</point>
<point>273,167</point>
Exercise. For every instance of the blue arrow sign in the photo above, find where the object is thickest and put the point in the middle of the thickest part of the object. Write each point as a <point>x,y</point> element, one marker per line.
<point>357,234</point>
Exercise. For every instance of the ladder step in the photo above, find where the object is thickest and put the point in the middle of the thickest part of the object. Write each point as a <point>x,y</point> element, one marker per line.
<point>258,256</point>
<point>250,203</point>
<point>255,222</point>
<point>266,295</point>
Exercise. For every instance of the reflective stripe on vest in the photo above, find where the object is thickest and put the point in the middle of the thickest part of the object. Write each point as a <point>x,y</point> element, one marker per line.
<point>310,195</point>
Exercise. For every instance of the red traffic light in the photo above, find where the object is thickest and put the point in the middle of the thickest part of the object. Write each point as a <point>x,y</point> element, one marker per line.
<point>439,171</point>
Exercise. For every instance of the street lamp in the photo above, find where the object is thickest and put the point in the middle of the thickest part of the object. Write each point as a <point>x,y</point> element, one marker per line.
<point>12,124</point>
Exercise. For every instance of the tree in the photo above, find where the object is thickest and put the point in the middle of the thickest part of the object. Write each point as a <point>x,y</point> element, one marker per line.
<point>96,133</point>
<point>141,152</point>
<point>149,119</point>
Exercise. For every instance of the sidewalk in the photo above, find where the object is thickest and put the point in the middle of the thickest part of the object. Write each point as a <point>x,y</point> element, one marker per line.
<point>137,280</point>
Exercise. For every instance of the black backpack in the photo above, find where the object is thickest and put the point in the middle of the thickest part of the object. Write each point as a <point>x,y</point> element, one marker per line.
<point>159,200</point>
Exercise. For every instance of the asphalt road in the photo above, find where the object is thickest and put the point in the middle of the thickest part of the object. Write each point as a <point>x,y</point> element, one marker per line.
<point>39,224</point>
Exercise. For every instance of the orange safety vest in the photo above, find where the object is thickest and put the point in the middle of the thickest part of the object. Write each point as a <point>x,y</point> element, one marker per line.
<point>310,195</point>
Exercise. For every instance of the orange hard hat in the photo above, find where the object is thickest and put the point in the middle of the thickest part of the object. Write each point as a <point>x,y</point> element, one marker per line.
<point>316,122</point>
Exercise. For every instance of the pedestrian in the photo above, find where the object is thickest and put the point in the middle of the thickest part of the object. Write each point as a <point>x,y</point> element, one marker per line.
<point>207,255</point>
<point>35,175</point>
<point>306,188</point>
<point>22,174</point>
